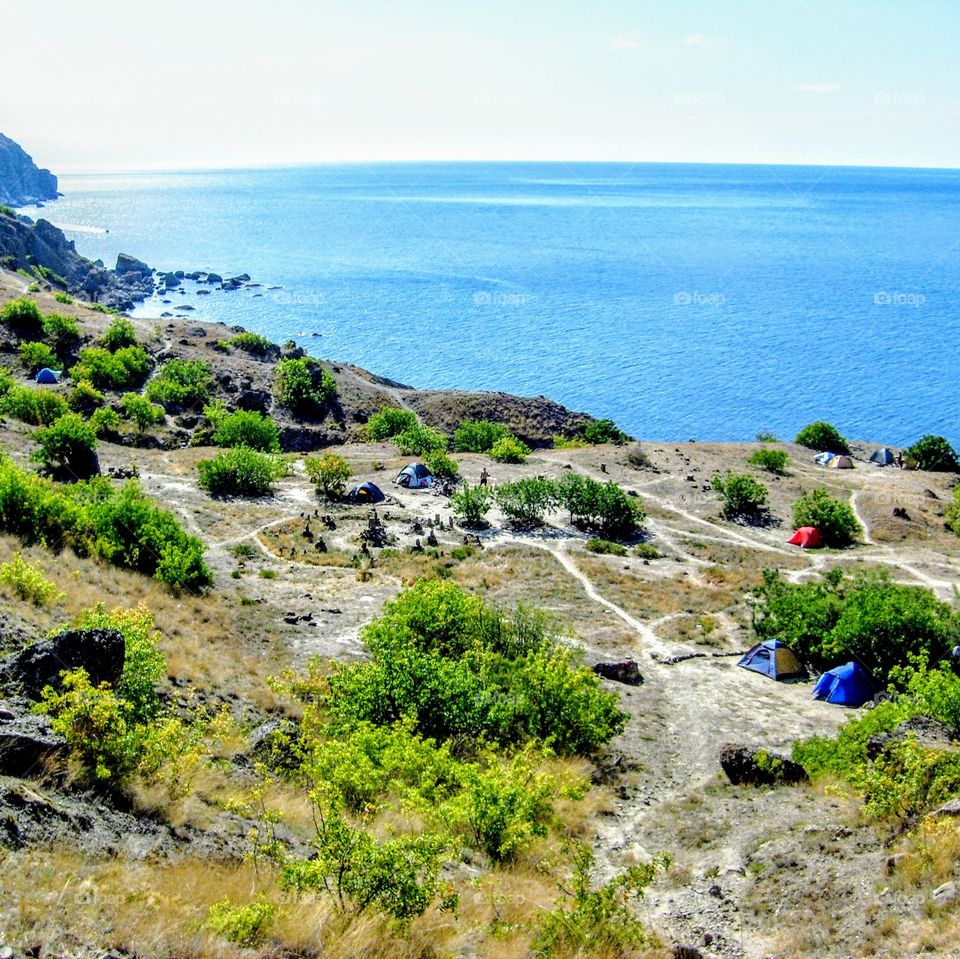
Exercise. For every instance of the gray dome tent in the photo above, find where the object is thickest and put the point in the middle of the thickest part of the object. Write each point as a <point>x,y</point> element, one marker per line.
<point>883,457</point>
<point>415,476</point>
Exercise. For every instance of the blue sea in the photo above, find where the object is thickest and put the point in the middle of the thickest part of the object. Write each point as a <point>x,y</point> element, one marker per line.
<point>683,301</point>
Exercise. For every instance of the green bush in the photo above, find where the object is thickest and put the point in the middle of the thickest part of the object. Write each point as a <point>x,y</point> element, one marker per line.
<point>388,422</point>
<point>773,461</point>
<point>741,495</point>
<point>63,298</point>
<point>604,547</point>
<point>112,371</point>
<point>935,454</point>
<point>471,505</point>
<point>604,431</point>
<point>526,502</point>
<point>478,436</point>
<point>952,515</point>
<point>252,343</point>
<point>241,472</point>
<point>508,449</point>
<point>62,331</point>
<point>34,356</point>
<point>303,386</point>
<point>47,274</point>
<point>441,465</point>
<point>329,474</point>
<point>104,421</point>
<point>602,508</point>
<point>247,926</point>
<point>35,406</point>
<point>181,384</point>
<point>867,617</point>
<point>419,440</point>
<point>23,316</point>
<point>68,447</point>
<point>139,409</point>
<point>246,428</point>
<point>823,437</point>
<point>561,442</point>
<point>28,582</point>
<point>835,520</point>
<point>119,335</point>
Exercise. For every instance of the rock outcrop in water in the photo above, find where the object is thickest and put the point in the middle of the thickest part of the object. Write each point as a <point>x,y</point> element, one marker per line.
<point>21,180</point>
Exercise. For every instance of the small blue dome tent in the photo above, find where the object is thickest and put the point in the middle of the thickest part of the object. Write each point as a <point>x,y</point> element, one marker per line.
<point>774,659</point>
<point>46,375</point>
<point>846,685</point>
<point>366,493</point>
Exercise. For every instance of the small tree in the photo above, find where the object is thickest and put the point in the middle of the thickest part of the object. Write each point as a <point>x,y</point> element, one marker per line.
<point>303,386</point>
<point>34,356</point>
<point>180,384</point>
<point>61,330</point>
<point>419,440</point>
<point>935,454</point>
<point>478,436</point>
<point>23,316</point>
<point>822,437</point>
<point>471,505</point>
<point>329,474</point>
<point>835,520</point>
<point>771,460</point>
<point>139,409</point>
<point>68,447</point>
<point>84,398</point>
<point>240,471</point>
<point>120,334</point>
<point>441,465</point>
<point>508,449</point>
<point>527,501</point>
<point>602,508</point>
<point>604,431</point>
<point>742,495</point>
<point>388,422</point>
<point>244,428</point>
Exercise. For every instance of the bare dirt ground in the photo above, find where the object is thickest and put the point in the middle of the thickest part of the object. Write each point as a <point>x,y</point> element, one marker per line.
<point>756,872</point>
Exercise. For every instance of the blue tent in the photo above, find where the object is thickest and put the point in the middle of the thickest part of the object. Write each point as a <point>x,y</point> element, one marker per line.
<point>46,375</point>
<point>846,685</point>
<point>366,493</point>
<point>774,659</point>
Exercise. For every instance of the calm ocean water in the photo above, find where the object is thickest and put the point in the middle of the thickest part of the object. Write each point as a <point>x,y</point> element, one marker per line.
<point>683,301</point>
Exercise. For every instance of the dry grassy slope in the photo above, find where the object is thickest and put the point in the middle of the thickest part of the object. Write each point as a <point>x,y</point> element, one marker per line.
<point>359,392</point>
<point>757,873</point>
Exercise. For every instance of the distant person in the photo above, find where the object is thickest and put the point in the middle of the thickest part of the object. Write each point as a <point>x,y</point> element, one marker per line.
<point>484,476</point>
<point>955,659</point>
<point>898,459</point>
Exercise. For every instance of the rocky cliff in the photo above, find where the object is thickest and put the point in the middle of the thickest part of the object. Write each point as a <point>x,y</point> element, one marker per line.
<point>21,181</point>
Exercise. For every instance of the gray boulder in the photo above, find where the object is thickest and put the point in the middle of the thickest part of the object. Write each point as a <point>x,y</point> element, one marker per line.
<point>625,671</point>
<point>26,741</point>
<point>130,264</point>
<point>750,766</point>
<point>257,401</point>
<point>99,651</point>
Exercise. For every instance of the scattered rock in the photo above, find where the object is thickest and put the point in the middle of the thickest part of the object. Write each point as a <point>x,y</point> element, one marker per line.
<point>26,741</point>
<point>750,766</point>
<point>948,809</point>
<point>624,671</point>
<point>681,951</point>
<point>945,894</point>
<point>929,732</point>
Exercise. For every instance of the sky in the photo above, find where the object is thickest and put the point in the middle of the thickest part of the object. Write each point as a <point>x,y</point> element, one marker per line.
<point>200,84</point>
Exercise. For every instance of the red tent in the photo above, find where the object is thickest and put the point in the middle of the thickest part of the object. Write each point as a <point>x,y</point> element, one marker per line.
<point>807,537</point>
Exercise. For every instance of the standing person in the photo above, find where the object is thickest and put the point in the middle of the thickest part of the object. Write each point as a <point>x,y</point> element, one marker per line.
<point>898,459</point>
<point>484,476</point>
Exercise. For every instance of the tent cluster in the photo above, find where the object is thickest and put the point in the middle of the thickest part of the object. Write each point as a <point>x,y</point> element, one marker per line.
<point>846,685</point>
<point>833,461</point>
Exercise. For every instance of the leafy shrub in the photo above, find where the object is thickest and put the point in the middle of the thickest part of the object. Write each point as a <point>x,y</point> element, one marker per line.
<point>471,505</point>
<point>247,926</point>
<point>388,422</point>
<point>34,356</point>
<point>526,502</point>
<point>104,421</point>
<point>441,465</point>
<point>84,398</point>
<point>835,520</point>
<point>935,454</point>
<point>100,308</point>
<point>240,471</point>
<point>112,371</point>
<point>604,431</point>
<point>420,440</point>
<point>139,409</point>
<point>47,274</point>
<point>180,384</point>
<point>119,334</point>
<point>568,442</point>
<point>647,551</point>
<point>741,494</point>
<point>27,581</point>
<point>868,617</point>
<point>61,330</point>
<point>303,386</point>
<point>603,508</point>
<point>23,316</point>
<point>638,458</point>
<point>478,436</point>
<point>765,436</point>
<point>329,474</point>
<point>35,406</point>
<point>252,343</point>
<point>63,298</point>
<point>34,288</point>
<point>597,922</point>
<point>508,449</point>
<point>6,384</point>
<point>773,461</point>
<point>68,447</point>
<point>823,437</point>
<point>952,515</point>
<point>246,428</point>
<point>605,547</point>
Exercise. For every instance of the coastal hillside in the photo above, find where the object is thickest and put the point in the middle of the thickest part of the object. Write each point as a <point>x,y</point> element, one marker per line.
<point>243,713</point>
<point>21,181</point>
